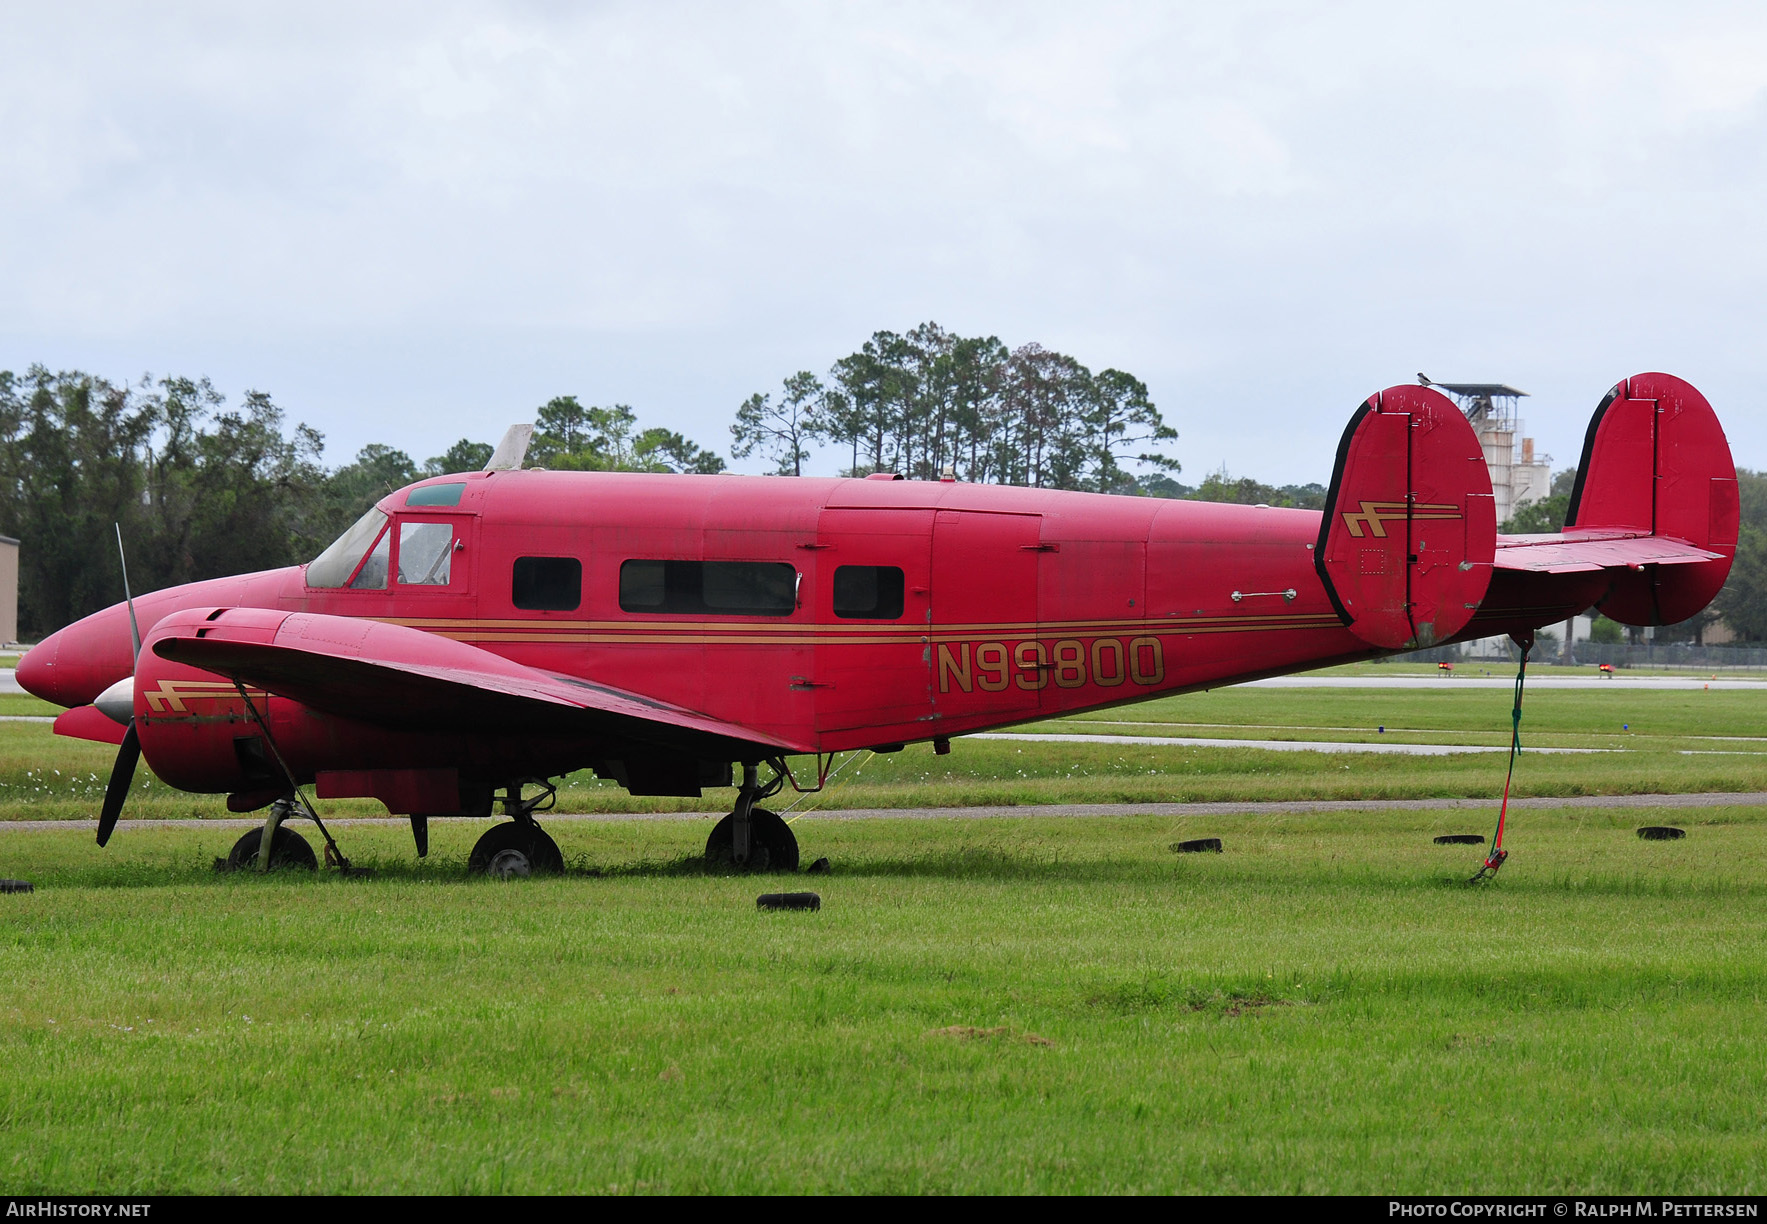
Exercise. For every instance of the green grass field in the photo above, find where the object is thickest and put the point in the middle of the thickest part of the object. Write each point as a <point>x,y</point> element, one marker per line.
<point>1002,1005</point>
<point>43,776</point>
<point>1024,1004</point>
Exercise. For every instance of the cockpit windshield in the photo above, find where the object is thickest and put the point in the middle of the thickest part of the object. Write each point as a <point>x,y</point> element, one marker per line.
<point>333,567</point>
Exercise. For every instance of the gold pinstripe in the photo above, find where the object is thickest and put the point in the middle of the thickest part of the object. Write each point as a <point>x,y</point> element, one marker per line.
<point>1113,624</point>
<point>709,633</point>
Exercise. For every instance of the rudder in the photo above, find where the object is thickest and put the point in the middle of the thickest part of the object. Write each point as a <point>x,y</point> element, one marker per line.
<point>1656,462</point>
<point>1409,531</point>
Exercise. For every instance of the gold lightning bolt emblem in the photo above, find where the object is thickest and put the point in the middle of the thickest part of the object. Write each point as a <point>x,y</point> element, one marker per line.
<point>1374,515</point>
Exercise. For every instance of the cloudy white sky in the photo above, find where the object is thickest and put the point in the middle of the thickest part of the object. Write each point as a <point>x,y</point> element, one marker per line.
<point>415,222</point>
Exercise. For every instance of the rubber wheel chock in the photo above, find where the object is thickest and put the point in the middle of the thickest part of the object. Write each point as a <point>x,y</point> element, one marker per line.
<point>1661,833</point>
<point>789,901</point>
<point>1198,845</point>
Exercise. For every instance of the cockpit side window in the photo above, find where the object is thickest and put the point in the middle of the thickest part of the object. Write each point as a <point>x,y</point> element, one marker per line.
<point>425,551</point>
<point>334,567</point>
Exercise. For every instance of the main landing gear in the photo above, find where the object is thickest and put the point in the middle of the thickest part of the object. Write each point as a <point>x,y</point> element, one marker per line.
<point>288,849</point>
<point>520,848</point>
<point>752,838</point>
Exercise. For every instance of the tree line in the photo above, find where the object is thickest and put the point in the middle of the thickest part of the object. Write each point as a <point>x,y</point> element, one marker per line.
<point>203,488</point>
<point>928,402</point>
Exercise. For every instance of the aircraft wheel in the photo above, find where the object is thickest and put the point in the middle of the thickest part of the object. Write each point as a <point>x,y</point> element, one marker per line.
<point>514,851</point>
<point>287,849</point>
<point>772,844</point>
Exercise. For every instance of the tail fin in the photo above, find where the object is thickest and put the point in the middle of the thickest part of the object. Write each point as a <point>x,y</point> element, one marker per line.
<point>1406,544</point>
<point>1656,463</point>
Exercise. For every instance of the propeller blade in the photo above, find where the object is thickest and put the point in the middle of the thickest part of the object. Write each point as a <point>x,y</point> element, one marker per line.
<point>122,774</point>
<point>134,627</point>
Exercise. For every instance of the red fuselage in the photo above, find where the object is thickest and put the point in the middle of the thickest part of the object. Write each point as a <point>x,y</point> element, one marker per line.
<point>1011,604</point>
<point>475,633</point>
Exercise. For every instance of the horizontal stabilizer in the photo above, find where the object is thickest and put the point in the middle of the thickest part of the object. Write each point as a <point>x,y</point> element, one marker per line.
<point>1572,554</point>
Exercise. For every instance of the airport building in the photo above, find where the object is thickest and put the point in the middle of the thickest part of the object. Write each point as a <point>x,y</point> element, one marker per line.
<point>1518,474</point>
<point>8,591</point>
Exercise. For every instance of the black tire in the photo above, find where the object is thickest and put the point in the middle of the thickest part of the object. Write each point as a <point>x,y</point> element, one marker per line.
<point>289,849</point>
<point>512,850</point>
<point>772,844</point>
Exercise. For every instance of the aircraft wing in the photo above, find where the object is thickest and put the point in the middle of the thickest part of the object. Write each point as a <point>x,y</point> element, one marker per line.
<point>1575,554</point>
<point>404,678</point>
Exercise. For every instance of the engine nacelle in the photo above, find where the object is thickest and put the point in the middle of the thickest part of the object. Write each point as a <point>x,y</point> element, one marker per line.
<point>197,734</point>
<point>195,730</point>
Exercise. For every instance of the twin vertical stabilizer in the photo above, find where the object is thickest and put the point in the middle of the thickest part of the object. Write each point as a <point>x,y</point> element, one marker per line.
<point>1406,544</point>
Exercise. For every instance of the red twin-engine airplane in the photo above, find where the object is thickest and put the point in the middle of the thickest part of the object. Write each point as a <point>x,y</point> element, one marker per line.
<point>487,632</point>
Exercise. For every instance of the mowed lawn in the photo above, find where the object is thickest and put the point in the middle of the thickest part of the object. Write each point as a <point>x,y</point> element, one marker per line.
<point>1035,1003</point>
<point>1029,1004</point>
<point>1653,741</point>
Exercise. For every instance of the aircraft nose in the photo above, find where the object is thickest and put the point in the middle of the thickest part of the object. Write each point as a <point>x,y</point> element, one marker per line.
<point>36,670</point>
<point>74,665</point>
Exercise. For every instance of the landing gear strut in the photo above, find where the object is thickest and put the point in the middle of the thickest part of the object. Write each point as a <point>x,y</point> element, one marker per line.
<point>520,848</point>
<point>287,848</point>
<point>752,838</point>
<point>283,808</point>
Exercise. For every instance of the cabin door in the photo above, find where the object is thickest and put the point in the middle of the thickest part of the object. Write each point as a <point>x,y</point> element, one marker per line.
<point>986,660</point>
<point>872,581</point>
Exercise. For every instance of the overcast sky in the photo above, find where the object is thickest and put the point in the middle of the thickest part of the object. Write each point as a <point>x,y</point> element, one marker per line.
<point>410,223</point>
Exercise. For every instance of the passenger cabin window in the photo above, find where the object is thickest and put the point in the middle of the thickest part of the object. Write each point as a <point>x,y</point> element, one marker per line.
<point>425,552</point>
<point>335,566</point>
<point>547,584</point>
<point>720,588</point>
<point>868,592</point>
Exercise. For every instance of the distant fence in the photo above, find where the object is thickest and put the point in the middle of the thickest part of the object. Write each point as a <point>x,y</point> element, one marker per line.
<point>1590,654</point>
